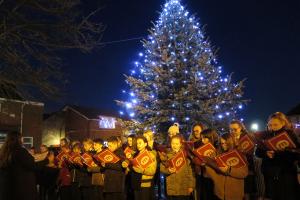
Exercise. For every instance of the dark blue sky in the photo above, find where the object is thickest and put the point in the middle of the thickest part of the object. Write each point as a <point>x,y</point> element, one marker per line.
<point>257,40</point>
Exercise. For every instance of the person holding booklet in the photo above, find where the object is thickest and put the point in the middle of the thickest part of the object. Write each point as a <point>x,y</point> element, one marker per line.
<point>159,151</point>
<point>97,176</point>
<point>179,175</point>
<point>195,135</point>
<point>143,167</point>
<point>205,185</point>
<point>114,181</point>
<point>85,183</point>
<point>245,142</point>
<point>228,176</point>
<point>279,149</point>
<point>129,149</point>
<point>74,165</point>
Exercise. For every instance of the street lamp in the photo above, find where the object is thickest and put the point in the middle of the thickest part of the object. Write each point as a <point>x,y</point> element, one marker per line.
<point>254,126</point>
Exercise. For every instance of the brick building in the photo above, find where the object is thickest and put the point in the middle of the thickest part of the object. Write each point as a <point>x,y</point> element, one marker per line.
<point>23,116</point>
<point>78,123</point>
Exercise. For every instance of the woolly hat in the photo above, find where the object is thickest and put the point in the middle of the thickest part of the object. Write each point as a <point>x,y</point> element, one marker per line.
<point>174,128</point>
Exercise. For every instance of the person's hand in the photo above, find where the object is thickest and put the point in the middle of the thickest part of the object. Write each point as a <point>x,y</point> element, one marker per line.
<point>270,154</point>
<point>125,164</point>
<point>128,155</point>
<point>190,190</point>
<point>172,170</point>
<point>224,169</point>
<point>103,164</point>
<point>162,156</point>
<point>138,169</point>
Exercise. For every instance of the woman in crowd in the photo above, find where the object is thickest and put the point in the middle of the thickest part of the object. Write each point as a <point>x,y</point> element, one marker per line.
<point>228,181</point>
<point>278,166</point>
<point>237,131</point>
<point>17,170</point>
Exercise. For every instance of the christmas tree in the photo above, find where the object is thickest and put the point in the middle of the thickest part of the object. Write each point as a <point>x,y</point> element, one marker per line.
<point>178,79</point>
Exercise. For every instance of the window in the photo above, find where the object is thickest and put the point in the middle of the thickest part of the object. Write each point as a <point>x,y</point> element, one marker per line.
<point>107,122</point>
<point>2,138</point>
<point>27,142</point>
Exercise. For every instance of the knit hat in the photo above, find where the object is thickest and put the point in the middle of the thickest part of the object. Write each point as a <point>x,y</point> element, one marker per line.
<point>174,128</point>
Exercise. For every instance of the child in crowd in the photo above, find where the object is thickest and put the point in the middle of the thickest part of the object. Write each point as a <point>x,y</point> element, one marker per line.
<point>142,178</point>
<point>180,184</point>
<point>114,182</point>
<point>205,185</point>
<point>97,176</point>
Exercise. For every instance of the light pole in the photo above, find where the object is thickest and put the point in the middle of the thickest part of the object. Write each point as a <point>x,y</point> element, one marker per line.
<point>254,127</point>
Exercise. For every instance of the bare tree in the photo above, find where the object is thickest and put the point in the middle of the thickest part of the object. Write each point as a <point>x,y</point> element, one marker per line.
<point>32,34</point>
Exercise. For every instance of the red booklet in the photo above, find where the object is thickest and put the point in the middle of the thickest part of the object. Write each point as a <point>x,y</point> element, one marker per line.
<point>75,158</point>
<point>178,161</point>
<point>107,156</point>
<point>62,156</point>
<point>88,160</point>
<point>246,144</point>
<point>128,152</point>
<point>280,142</point>
<point>205,150</point>
<point>142,160</point>
<point>232,158</point>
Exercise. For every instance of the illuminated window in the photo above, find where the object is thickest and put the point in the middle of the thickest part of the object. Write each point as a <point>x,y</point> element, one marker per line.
<point>107,122</point>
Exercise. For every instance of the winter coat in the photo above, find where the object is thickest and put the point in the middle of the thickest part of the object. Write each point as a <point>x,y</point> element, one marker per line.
<point>97,176</point>
<point>229,186</point>
<point>280,172</point>
<point>144,178</point>
<point>178,182</point>
<point>114,174</point>
<point>64,177</point>
<point>18,180</point>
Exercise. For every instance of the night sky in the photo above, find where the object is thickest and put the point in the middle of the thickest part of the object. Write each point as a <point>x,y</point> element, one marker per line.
<point>257,39</point>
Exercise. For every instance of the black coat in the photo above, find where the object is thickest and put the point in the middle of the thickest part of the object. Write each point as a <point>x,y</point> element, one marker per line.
<point>114,174</point>
<point>280,172</point>
<point>18,180</point>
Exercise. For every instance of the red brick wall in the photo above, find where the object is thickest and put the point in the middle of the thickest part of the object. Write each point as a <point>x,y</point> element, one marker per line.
<point>78,127</point>
<point>10,118</point>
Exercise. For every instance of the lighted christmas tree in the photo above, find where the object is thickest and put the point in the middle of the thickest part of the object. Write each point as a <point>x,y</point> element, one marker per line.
<point>178,79</point>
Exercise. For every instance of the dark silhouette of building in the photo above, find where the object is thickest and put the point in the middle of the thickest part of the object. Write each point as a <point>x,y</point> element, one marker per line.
<point>78,123</point>
<point>23,116</point>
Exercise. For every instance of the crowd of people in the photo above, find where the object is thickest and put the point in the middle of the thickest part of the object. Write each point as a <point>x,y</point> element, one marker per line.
<point>142,169</point>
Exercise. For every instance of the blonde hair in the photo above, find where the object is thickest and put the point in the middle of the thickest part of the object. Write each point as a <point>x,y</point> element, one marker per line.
<point>88,141</point>
<point>282,118</point>
<point>150,133</point>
